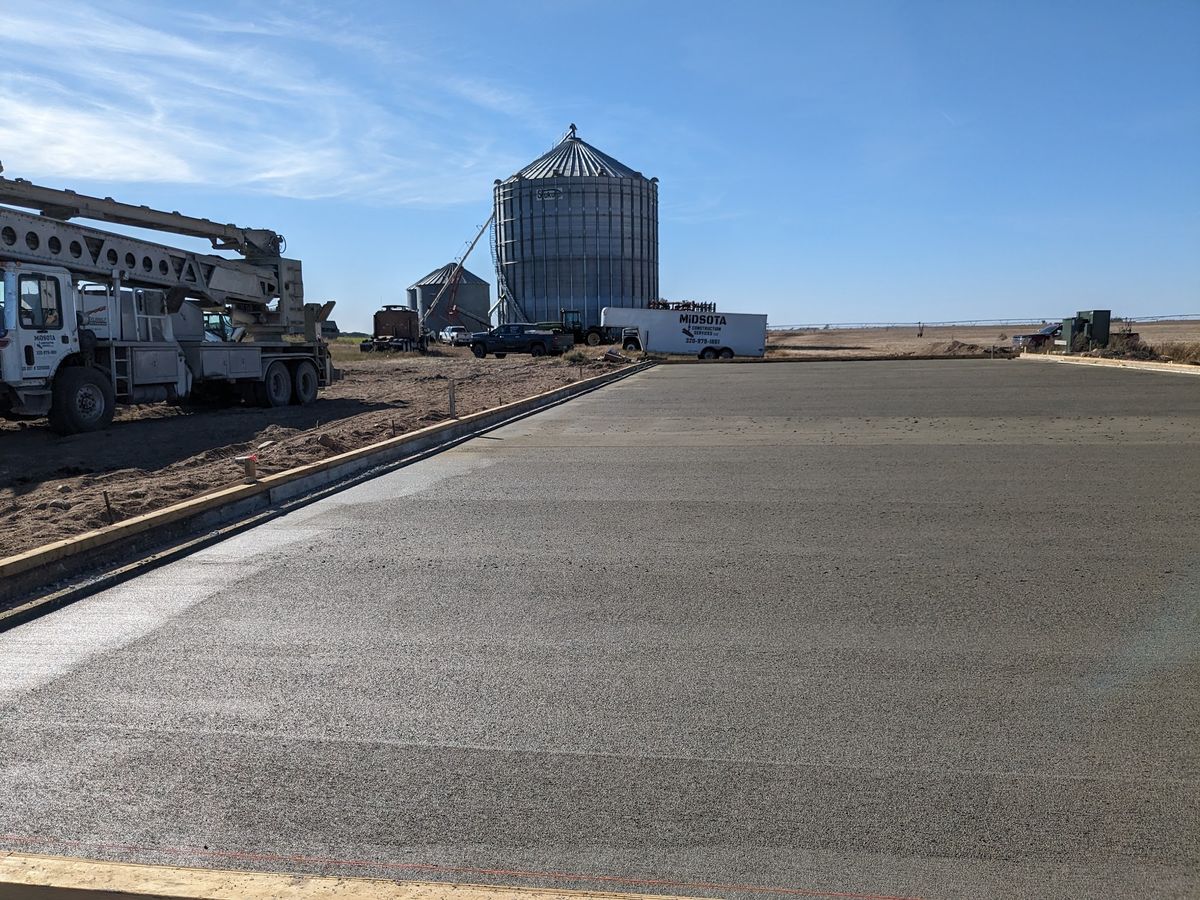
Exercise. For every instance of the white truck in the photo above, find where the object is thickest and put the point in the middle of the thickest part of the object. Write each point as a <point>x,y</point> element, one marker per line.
<point>705,333</point>
<point>90,318</point>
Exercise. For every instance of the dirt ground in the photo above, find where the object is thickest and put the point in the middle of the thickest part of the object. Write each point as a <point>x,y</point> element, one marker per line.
<point>941,341</point>
<point>52,487</point>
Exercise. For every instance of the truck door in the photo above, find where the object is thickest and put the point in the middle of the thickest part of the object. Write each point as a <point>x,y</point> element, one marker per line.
<point>43,336</point>
<point>512,337</point>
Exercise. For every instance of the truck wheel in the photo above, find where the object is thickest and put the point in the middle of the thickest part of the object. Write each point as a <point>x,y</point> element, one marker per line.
<point>726,353</point>
<point>593,339</point>
<point>708,353</point>
<point>304,383</point>
<point>83,401</point>
<point>276,387</point>
<point>537,350</point>
<point>479,350</point>
<point>632,346</point>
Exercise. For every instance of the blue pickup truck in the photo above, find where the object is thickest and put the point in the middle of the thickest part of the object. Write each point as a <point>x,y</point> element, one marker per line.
<point>519,337</point>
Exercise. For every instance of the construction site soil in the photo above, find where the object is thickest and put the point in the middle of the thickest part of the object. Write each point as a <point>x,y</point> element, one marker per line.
<point>53,487</point>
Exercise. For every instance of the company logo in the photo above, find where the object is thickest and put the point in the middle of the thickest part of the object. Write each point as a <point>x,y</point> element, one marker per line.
<point>698,319</point>
<point>548,193</point>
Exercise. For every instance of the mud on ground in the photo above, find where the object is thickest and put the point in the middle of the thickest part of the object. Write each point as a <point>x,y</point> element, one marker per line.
<point>52,487</point>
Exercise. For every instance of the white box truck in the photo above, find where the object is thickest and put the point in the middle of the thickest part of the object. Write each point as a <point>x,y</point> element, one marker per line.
<point>707,334</point>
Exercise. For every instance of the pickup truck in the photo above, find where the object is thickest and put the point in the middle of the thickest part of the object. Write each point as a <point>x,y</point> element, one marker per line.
<point>455,335</point>
<point>1038,339</point>
<point>519,337</point>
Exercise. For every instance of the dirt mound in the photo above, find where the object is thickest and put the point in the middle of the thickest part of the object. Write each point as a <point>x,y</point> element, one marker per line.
<point>955,348</point>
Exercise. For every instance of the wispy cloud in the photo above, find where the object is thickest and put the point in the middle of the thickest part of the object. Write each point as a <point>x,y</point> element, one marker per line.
<point>100,94</point>
<point>705,207</point>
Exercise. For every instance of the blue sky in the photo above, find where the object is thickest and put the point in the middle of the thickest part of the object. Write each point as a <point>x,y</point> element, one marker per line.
<point>820,162</point>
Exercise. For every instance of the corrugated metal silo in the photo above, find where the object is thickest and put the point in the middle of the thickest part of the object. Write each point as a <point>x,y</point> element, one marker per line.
<point>575,230</point>
<point>467,304</point>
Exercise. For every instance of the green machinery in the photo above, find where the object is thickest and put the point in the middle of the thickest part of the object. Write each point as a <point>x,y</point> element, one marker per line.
<point>1086,330</point>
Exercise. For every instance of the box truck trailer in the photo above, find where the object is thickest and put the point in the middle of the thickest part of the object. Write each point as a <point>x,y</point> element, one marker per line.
<point>708,335</point>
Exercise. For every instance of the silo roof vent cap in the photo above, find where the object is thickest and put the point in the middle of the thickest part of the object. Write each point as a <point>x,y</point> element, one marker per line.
<point>574,157</point>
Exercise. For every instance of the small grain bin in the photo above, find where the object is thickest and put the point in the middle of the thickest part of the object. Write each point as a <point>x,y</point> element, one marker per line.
<point>465,303</point>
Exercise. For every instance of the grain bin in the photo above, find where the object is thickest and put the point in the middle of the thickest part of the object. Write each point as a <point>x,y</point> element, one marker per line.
<point>575,230</point>
<point>466,303</point>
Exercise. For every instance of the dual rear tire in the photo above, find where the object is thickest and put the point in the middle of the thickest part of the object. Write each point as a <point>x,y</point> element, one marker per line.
<point>282,385</point>
<point>305,383</point>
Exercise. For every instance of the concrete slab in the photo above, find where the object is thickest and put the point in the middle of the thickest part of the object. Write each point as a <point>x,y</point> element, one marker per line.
<point>911,629</point>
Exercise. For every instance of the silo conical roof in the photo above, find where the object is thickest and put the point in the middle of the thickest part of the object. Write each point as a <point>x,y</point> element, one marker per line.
<point>575,157</point>
<point>442,275</point>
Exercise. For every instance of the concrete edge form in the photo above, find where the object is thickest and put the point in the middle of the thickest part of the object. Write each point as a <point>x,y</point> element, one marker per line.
<point>42,567</point>
<point>32,877</point>
<point>1137,365</point>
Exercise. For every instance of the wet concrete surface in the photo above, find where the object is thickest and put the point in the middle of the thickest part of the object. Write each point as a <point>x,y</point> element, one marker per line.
<point>883,629</point>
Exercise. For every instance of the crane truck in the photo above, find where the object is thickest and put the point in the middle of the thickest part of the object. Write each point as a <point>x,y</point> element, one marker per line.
<point>90,318</point>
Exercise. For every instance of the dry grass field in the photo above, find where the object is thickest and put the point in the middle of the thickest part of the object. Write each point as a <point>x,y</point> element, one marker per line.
<point>1180,338</point>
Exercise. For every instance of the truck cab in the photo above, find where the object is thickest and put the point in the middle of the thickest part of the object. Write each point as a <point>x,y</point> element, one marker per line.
<point>71,351</point>
<point>39,329</point>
